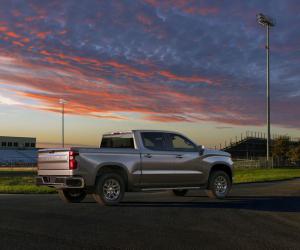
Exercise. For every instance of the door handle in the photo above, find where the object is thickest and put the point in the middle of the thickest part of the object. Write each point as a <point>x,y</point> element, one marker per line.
<point>148,155</point>
<point>179,156</point>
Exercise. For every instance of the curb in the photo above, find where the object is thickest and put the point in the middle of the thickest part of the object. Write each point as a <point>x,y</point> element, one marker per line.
<point>270,181</point>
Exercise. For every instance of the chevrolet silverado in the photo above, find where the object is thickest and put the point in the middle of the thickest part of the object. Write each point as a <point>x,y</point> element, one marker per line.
<point>138,160</point>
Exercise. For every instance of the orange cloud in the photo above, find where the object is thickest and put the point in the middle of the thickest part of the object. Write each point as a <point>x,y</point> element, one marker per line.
<point>169,118</point>
<point>12,34</point>
<point>25,40</point>
<point>42,35</point>
<point>185,6</point>
<point>3,29</point>
<point>18,43</point>
<point>87,97</point>
<point>193,79</point>
<point>202,10</point>
<point>60,75</point>
<point>144,19</point>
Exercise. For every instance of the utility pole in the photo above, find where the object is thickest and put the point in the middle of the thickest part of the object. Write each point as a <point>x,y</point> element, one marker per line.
<point>63,102</point>
<point>268,95</point>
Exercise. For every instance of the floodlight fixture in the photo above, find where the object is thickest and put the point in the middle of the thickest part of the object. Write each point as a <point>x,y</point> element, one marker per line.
<point>63,101</point>
<point>265,20</point>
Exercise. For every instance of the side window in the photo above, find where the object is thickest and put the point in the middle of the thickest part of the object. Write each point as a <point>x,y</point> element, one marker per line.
<point>153,140</point>
<point>180,143</point>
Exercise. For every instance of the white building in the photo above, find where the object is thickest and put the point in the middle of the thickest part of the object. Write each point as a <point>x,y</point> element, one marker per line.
<point>9,142</point>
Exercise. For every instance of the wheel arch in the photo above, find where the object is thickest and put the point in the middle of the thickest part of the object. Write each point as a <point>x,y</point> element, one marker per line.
<point>115,168</point>
<point>223,167</point>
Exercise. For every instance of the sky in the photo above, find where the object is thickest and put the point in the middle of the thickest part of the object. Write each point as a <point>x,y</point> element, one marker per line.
<point>197,67</point>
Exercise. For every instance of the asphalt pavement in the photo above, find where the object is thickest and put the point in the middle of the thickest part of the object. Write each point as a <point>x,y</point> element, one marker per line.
<point>255,216</point>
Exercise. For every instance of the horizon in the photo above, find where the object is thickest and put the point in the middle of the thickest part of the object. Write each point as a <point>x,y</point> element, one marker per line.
<point>198,68</point>
<point>221,145</point>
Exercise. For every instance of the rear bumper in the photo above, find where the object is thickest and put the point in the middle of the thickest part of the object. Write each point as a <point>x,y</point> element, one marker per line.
<point>60,182</point>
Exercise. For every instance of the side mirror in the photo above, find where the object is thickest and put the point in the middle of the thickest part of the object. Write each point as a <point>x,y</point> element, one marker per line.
<point>201,149</point>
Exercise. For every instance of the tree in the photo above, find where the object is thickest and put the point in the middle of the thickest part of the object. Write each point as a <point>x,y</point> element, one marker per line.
<point>281,147</point>
<point>294,154</point>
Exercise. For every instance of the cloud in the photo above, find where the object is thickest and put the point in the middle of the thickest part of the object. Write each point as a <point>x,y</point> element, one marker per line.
<point>191,79</point>
<point>167,61</point>
<point>167,118</point>
<point>8,101</point>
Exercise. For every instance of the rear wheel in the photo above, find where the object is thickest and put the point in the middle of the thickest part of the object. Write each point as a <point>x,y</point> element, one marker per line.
<point>180,192</point>
<point>110,189</point>
<point>219,185</point>
<point>72,195</point>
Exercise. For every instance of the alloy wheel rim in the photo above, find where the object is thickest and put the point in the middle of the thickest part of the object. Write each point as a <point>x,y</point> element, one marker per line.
<point>220,185</point>
<point>111,189</point>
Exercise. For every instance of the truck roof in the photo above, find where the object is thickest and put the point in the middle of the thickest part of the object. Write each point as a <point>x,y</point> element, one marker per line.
<point>137,130</point>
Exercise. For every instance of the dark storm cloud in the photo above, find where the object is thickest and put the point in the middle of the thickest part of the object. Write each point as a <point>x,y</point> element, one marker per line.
<point>168,60</point>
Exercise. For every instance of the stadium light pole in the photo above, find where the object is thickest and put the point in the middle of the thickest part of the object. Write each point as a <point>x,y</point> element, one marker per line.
<point>267,22</point>
<point>63,102</point>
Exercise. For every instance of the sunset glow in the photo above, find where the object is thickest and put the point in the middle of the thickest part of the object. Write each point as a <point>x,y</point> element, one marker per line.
<point>190,66</point>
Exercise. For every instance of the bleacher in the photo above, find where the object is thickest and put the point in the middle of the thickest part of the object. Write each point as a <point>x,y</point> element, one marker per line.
<point>18,157</point>
<point>252,145</point>
<point>247,148</point>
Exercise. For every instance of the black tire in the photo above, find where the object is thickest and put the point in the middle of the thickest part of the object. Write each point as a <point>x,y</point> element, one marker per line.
<point>106,196</point>
<point>72,195</point>
<point>180,192</point>
<point>219,185</point>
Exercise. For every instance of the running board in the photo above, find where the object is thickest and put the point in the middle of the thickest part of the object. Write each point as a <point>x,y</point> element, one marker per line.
<point>169,188</point>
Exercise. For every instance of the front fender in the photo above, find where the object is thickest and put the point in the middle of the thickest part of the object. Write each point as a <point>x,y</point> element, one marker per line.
<point>218,160</point>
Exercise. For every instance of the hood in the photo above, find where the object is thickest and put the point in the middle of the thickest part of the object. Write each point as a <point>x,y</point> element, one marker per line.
<point>208,151</point>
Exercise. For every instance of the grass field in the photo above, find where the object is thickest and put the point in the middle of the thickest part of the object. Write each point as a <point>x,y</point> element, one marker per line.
<point>256,175</point>
<point>23,180</point>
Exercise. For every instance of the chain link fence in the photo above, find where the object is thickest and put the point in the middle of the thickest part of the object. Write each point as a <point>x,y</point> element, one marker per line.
<point>262,163</point>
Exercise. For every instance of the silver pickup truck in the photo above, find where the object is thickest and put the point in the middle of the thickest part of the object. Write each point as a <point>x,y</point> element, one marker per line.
<point>139,160</point>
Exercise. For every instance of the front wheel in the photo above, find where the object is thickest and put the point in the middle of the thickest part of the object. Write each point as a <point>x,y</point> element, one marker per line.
<point>219,185</point>
<point>110,189</point>
<point>72,195</point>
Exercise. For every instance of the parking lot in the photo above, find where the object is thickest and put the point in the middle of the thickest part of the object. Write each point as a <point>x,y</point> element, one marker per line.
<point>255,216</point>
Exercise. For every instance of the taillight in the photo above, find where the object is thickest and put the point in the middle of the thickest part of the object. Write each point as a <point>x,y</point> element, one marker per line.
<point>72,160</point>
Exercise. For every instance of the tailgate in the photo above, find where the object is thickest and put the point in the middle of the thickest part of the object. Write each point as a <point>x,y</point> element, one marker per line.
<point>53,159</point>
